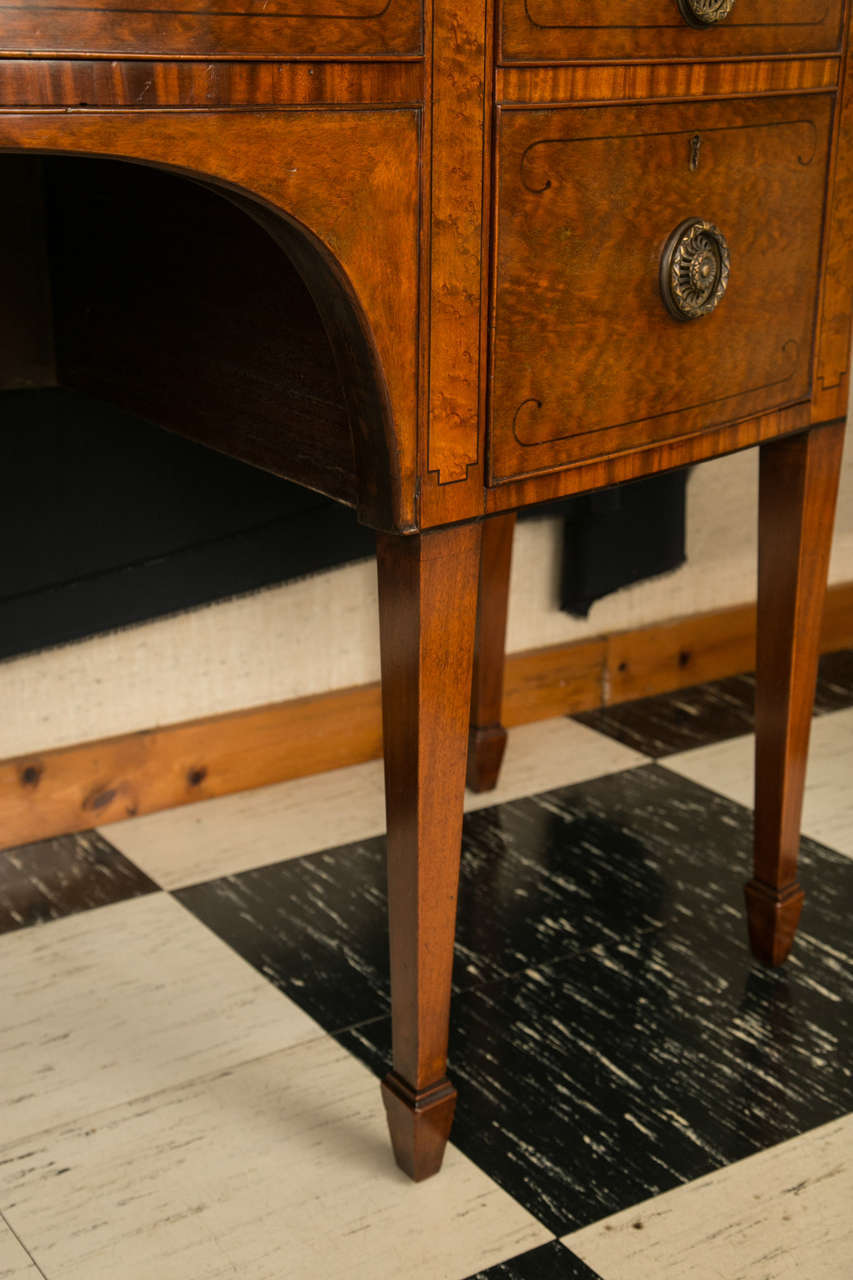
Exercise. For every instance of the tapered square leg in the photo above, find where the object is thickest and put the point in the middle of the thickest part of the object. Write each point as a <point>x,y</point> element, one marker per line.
<point>772,918</point>
<point>427,612</point>
<point>798,487</point>
<point>419,1123</point>
<point>487,736</point>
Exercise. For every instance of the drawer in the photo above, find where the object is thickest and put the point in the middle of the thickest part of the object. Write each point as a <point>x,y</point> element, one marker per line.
<point>587,359</point>
<point>212,28</point>
<point>568,30</point>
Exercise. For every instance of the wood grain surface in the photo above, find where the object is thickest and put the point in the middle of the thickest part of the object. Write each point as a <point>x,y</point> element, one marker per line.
<point>587,199</point>
<point>832,347</point>
<point>427,622</point>
<point>647,81</point>
<point>798,484</point>
<point>487,736</point>
<point>567,30</point>
<point>195,28</point>
<point>58,82</point>
<point>458,128</point>
<point>679,452</point>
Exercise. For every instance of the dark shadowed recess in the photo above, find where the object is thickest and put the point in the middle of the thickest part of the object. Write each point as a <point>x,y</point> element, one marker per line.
<point>107,520</point>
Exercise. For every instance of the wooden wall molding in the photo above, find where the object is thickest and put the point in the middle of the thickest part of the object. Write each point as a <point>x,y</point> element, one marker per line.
<point>74,788</point>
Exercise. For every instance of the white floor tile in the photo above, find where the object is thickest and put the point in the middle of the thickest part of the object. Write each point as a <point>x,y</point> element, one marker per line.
<point>115,1003</point>
<point>177,847</point>
<point>553,753</point>
<point>15,1263</point>
<point>728,767</point>
<point>280,1168</point>
<point>784,1214</point>
<point>220,837</point>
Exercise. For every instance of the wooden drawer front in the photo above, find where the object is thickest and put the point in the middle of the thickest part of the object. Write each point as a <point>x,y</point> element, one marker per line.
<point>211,28</point>
<point>566,30</point>
<point>586,359</point>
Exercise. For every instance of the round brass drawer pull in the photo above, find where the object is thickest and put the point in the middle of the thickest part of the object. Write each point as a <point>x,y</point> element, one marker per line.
<point>694,269</point>
<point>704,13</point>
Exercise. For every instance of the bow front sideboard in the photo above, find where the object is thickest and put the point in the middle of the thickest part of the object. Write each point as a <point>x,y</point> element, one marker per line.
<point>442,260</point>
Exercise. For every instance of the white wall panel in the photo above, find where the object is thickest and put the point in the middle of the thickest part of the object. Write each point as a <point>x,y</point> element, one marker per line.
<point>322,633</point>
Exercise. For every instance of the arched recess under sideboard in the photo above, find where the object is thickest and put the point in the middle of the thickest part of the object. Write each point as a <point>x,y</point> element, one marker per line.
<point>202,305</point>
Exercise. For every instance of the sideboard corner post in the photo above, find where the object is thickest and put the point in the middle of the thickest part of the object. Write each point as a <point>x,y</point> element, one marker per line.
<point>427,613</point>
<point>798,484</point>
<point>487,736</point>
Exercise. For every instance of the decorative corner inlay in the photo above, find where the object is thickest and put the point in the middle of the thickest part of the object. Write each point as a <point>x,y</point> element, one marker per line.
<point>806,159</point>
<point>525,156</point>
<point>530,400</point>
<point>790,349</point>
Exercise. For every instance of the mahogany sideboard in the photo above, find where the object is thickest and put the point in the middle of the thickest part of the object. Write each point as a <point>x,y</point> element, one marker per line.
<point>442,260</point>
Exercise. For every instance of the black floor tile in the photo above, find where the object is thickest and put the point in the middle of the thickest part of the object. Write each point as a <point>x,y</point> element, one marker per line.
<point>531,890</point>
<point>549,1262</point>
<point>707,713</point>
<point>630,1067</point>
<point>316,926</point>
<point>59,877</point>
<point>611,1036</point>
<point>679,721</point>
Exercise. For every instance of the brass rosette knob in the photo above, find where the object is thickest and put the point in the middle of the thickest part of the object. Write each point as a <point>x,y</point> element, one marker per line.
<point>694,269</point>
<point>705,13</point>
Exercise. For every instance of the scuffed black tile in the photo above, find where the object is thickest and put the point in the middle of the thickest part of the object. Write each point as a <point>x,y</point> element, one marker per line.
<point>625,1069</point>
<point>59,877</point>
<point>707,713</point>
<point>678,721</point>
<point>317,925</point>
<point>611,1035</point>
<point>549,1262</point>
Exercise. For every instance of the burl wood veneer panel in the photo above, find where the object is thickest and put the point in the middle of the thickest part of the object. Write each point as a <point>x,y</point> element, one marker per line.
<point>214,28</point>
<point>586,202</point>
<point>564,30</point>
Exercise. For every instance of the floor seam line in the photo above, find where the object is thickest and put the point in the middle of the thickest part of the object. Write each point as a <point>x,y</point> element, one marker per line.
<point>13,1232</point>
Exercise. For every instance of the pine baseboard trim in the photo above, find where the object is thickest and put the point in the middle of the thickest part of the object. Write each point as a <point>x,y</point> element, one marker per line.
<point>74,788</point>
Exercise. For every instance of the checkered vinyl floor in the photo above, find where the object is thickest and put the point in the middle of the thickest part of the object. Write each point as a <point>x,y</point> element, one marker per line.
<point>194,1010</point>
